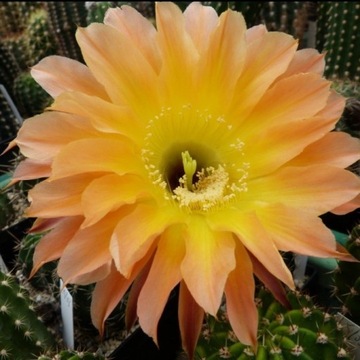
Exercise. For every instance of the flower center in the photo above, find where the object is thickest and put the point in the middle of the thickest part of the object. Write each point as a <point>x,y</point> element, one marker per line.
<point>210,189</point>
<point>194,158</point>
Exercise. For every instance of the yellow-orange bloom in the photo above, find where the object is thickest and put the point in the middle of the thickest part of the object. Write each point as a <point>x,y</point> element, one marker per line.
<point>190,154</point>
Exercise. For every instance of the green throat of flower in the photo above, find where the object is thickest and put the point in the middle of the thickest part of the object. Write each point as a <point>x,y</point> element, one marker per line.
<point>195,159</point>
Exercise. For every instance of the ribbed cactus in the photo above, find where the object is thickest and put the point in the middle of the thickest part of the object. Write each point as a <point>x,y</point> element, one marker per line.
<point>338,34</point>
<point>14,15</point>
<point>22,334</point>
<point>301,332</point>
<point>347,279</point>
<point>65,17</point>
<point>39,38</point>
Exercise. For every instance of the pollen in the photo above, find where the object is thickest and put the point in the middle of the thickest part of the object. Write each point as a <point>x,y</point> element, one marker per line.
<point>210,190</point>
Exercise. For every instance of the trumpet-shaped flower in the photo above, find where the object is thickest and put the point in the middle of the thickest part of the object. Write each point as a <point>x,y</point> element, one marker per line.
<point>191,153</point>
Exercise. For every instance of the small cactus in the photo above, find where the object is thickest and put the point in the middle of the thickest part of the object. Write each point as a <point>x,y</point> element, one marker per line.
<point>22,333</point>
<point>301,332</point>
<point>347,279</point>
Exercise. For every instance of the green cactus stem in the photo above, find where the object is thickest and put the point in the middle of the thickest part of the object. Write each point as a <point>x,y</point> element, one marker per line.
<point>338,35</point>
<point>22,333</point>
<point>301,332</point>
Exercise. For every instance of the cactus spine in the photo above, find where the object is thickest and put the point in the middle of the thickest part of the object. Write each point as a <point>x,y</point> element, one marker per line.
<point>338,34</point>
<point>347,279</point>
<point>301,332</point>
<point>21,331</point>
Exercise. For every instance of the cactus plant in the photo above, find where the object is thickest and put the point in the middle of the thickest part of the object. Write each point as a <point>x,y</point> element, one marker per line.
<point>38,37</point>
<point>347,279</point>
<point>338,34</point>
<point>21,331</point>
<point>64,19</point>
<point>301,332</point>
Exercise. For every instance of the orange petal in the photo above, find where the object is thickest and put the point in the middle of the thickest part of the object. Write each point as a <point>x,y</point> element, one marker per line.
<point>88,250</point>
<point>200,21</point>
<point>305,61</point>
<point>95,155</point>
<point>129,80</point>
<point>131,305</point>
<point>110,290</point>
<point>255,33</point>
<point>208,261</point>
<point>269,280</point>
<point>102,115</point>
<point>164,275</point>
<point>249,230</point>
<point>178,53</point>
<point>138,29</point>
<point>295,98</point>
<point>347,207</point>
<point>191,317</point>
<point>108,193</point>
<point>94,275</point>
<point>135,234</point>
<point>61,128</point>
<point>57,74</point>
<point>298,231</point>
<point>274,146</point>
<point>240,304</point>
<point>222,63</point>
<point>52,245</point>
<point>335,148</point>
<point>105,297</point>
<point>267,57</point>
<point>58,198</point>
<point>30,169</point>
<point>293,187</point>
<point>41,225</point>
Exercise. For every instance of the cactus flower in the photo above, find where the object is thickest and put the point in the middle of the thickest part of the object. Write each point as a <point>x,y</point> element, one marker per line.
<point>190,154</point>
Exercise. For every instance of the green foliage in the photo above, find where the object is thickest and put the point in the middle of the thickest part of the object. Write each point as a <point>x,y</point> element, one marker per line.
<point>301,332</point>
<point>347,279</point>
<point>22,333</point>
